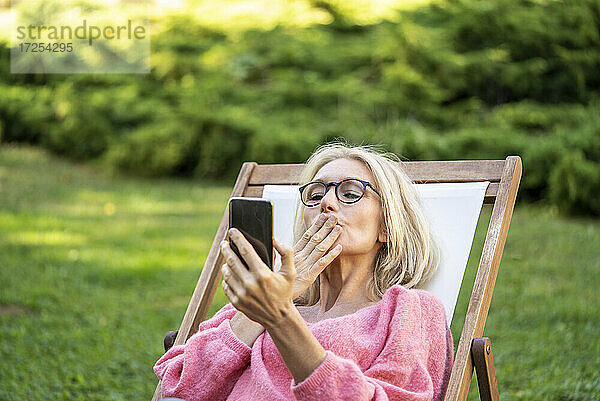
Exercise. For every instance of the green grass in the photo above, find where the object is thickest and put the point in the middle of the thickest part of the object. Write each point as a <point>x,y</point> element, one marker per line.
<point>94,270</point>
<point>544,320</point>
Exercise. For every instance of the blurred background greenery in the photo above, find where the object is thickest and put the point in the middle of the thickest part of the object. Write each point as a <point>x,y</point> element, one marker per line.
<point>269,81</point>
<point>96,267</point>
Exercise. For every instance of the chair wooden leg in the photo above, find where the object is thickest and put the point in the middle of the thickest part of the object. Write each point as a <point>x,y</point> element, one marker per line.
<point>483,361</point>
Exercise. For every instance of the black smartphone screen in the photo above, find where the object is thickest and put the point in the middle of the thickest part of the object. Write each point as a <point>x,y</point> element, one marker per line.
<point>254,218</point>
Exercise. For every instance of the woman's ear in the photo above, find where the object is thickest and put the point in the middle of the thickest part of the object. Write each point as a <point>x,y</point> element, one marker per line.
<point>382,236</point>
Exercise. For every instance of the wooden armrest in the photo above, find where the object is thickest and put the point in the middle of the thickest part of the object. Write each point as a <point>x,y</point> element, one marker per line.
<point>483,360</point>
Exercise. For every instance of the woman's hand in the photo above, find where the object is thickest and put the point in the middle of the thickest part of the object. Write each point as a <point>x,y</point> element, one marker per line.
<point>261,294</point>
<point>266,298</point>
<point>310,252</point>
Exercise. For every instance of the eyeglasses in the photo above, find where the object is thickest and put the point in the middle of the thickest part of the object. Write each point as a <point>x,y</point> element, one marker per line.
<point>348,191</point>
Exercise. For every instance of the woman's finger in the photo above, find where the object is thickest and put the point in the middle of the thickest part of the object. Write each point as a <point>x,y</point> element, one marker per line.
<point>312,230</point>
<point>320,235</point>
<point>229,293</point>
<point>234,263</point>
<point>231,282</point>
<point>287,260</point>
<point>319,250</point>
<point>324,261</point>
<point>247,251</point>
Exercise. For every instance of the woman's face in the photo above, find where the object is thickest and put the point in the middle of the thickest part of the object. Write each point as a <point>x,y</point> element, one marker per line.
<point>361,221</point>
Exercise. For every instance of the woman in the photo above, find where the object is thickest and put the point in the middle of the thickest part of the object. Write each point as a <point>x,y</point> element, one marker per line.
<point>356,330</point>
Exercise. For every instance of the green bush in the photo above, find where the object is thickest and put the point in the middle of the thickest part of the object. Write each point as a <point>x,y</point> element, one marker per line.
<point>223,147</point>
<point>164,148</point>
<point>507,50</point>
<point>446,80</point>
<point>551,170</point>
<point>575,185</point>
<point>25,113</point>
<point>281,144</point>
<point>575,181</point>
<point>490,142</point>
<point>539,161</point>
<point>540,119</point>
<point>81,130</point>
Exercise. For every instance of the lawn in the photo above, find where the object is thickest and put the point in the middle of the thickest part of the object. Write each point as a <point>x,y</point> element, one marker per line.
<point>95,269</point>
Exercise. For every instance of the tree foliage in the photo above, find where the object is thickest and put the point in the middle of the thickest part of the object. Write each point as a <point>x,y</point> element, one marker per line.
<point>454,79</point>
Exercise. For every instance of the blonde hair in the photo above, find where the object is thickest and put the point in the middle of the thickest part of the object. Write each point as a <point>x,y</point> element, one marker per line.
<point>410,256</point>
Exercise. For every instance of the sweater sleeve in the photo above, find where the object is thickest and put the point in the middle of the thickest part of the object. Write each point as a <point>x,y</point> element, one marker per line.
<point>208,365</point>
<point>414,363</point>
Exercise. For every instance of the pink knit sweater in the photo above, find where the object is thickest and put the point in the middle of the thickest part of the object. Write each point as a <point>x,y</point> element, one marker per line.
<point>398,349</point>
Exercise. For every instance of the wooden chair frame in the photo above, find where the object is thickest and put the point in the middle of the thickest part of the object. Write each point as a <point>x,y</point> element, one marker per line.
<point>473,351</point>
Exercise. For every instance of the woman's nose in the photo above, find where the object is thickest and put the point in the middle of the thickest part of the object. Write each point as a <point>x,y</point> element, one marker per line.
<point>329,202</point>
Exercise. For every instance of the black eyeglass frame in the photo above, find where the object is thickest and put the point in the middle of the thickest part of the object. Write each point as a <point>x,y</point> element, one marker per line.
<point>336,185</point>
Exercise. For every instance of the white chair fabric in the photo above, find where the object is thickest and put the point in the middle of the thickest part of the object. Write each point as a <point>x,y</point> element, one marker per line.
<point>452,210</point>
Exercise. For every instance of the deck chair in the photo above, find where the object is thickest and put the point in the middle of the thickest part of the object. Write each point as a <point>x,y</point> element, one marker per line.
<point>459,186</point>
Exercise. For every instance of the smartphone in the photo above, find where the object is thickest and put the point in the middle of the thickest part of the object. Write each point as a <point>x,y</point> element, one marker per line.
<point>254,218</point>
